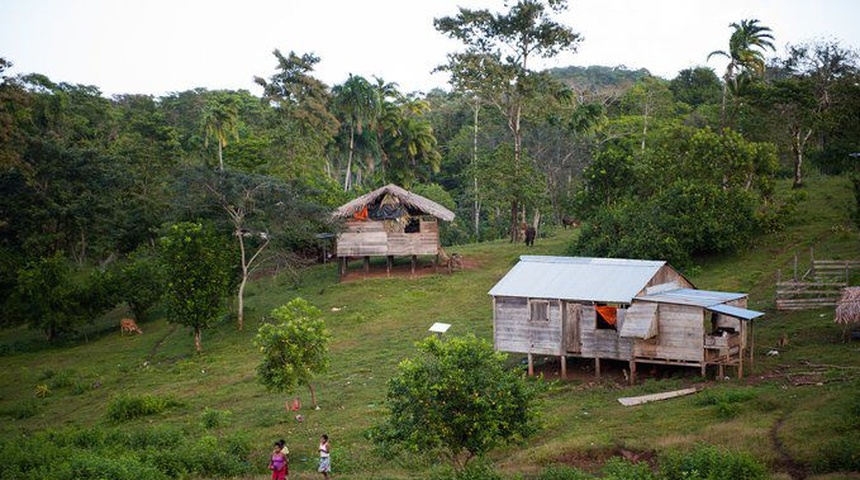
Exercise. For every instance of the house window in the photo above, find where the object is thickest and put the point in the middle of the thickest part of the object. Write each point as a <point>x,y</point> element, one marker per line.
<point>539,311</point>
<point>414,226</point>
<point>606,317</point>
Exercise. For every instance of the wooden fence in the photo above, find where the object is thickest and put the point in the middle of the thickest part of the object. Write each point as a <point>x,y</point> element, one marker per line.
<point>820,286</point>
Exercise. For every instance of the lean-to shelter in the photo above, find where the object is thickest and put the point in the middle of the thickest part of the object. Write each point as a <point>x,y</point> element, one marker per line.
<point>389,221</point>
<point>639,311</point>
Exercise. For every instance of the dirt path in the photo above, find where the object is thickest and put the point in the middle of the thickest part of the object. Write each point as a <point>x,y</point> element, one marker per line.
<point>154,350</point>
<point>785,463</point>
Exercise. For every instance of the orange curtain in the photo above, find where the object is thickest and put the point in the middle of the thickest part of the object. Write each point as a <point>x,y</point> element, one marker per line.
<point>608,314</point>
<point>361,214</point>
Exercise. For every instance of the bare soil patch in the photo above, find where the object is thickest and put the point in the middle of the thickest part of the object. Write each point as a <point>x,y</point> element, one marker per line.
<point>592,461</point>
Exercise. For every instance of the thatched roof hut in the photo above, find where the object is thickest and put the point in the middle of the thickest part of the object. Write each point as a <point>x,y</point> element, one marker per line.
<point>412,201</point>
<point>848,308</point>
<point>387,222</point>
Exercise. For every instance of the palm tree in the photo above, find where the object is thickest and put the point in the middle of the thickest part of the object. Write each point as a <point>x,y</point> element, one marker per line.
<point>220,120</point>
<point>409,143</point>
<point>358,104</point>
<point>747,44</point>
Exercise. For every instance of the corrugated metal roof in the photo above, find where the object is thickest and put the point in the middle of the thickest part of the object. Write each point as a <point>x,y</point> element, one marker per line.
<point>609,280</point>
<point>710,300</point>
<point>689,296</point>
<point>736,312</point>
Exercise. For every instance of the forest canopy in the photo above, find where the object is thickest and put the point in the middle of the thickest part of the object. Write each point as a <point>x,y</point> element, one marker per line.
<point>668,169</point>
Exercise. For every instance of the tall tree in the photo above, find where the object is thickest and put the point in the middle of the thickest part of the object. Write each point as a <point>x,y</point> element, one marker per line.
<point>747,45</point>
<point>495,63</point>
<point>408,143</point>
<point>267,218</point>
<point>307,125</point>
<point>358,103</point>
<point>220,119</point>
<point>696,86</point>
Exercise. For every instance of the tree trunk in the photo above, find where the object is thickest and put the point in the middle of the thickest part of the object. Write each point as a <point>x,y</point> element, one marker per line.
<point>240,313</point>
<point>477,204</point>
<point>349,161</point>
<point>515,227</point>
<point>798,147</point>
<point>198,346</point>
<point>313,396</point>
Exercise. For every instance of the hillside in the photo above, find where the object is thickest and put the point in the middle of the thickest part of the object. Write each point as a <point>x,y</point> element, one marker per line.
<point>797,412</point>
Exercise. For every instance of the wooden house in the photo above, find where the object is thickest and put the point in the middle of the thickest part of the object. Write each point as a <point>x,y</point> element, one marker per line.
<point>388,222</point>
<point>632,310</point>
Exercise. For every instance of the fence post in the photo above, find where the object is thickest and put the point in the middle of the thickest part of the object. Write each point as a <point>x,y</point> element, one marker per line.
<point>795,268</point>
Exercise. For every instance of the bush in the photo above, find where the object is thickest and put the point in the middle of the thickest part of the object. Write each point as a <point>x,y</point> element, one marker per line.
<point>563,472</point>
<point>203,458</point>
<point>842,454</point>
<point>127,407</point>
<point>474,471</point>
<point>86,465</point>
<point>707,462</point>
<point>618,469</point>
<point>21,410</point>
<point>163,437</point>
<point>146,454</point>
<point>726,401</point>
<point>213,418</point>
<point>42,391</point>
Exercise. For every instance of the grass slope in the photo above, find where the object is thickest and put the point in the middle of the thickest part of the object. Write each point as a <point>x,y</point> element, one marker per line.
<point>798,412</point>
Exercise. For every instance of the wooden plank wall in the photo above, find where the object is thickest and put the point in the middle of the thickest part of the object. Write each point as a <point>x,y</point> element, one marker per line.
<point>369,238</point>
<point>600,343</point>
<point>513,332</point>
<point>680,335</point>
<point>667,274</point>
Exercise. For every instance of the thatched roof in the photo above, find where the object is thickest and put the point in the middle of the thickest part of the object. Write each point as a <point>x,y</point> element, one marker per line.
<point>406,197</point>
<point>848,308</point>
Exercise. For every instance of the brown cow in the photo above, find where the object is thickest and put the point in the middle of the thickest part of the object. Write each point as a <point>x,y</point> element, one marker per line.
<point>569,222</point>
<point>530,235</point>
<point>128,325</point>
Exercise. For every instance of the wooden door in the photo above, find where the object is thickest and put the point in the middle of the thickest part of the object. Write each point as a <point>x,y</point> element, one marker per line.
<point>572,316</point>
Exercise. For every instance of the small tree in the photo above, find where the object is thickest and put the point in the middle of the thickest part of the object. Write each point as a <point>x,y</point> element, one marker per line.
<point>49,299</point>
<point>294,349</point>
<point>458,398</point>
<point>198,265</point>
<point>141,283</point>
<point>44,296</point>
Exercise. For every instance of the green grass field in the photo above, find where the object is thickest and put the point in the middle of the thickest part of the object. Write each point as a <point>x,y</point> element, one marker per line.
<point>798,412</point>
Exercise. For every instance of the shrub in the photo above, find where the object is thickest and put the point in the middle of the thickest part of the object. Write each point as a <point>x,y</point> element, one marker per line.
<point>842,454</point>
<point>163,437</point>
<point>42,391</point>
<point>563,472</point>
<point>62,379</point>
<point>474,471</point>
<point>88,438</point>
<point>203,458</point>
<point>127,407</point>
<point>707,462</point>
<point>21,410</point>
<point>726,401</point>
<point>618,469</point>
<point>213,418</point>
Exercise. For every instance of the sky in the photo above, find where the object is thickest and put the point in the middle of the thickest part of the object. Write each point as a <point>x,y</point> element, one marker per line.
<point>157,47</point>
